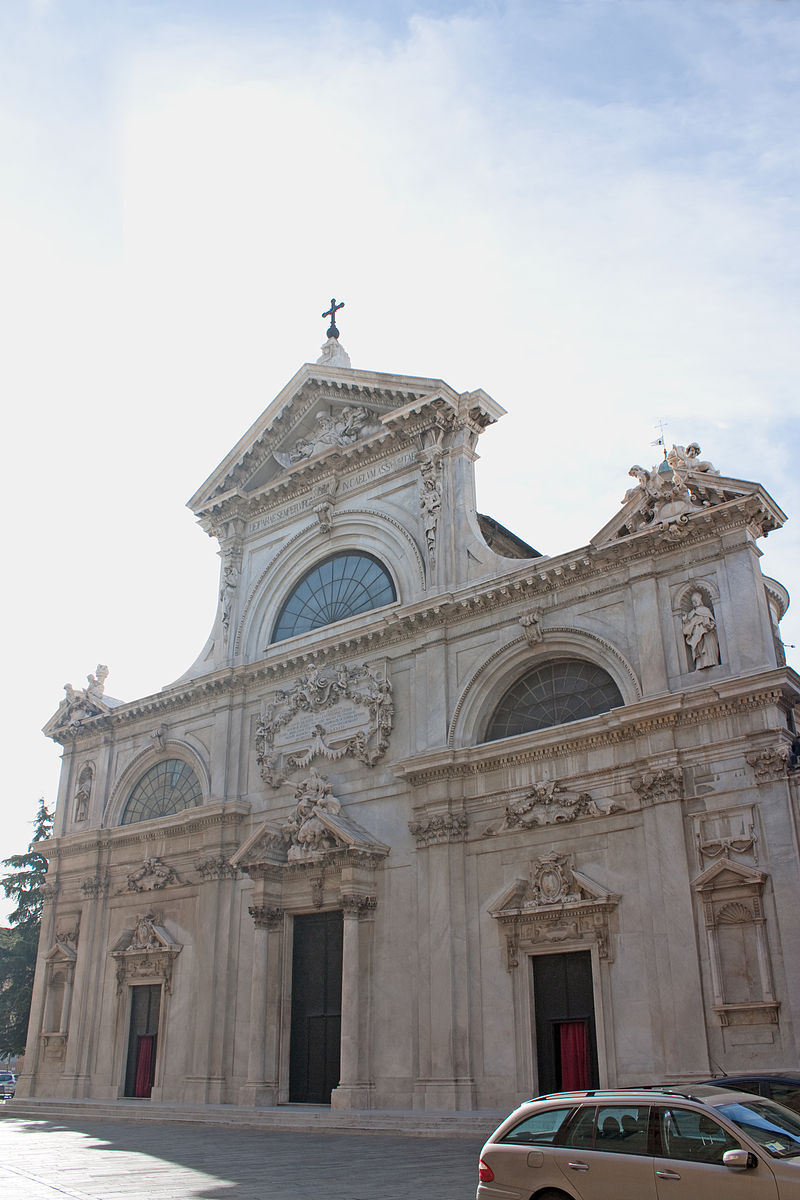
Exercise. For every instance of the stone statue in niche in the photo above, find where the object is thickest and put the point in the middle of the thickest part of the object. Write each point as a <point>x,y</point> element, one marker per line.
<point>83,794</point>
<point>700,632</point>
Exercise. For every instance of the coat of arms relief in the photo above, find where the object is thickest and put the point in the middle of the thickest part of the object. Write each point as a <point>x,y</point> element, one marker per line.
<point>327,713</point>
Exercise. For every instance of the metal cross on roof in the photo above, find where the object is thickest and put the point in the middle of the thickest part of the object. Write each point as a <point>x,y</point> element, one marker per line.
<point>332,311</point>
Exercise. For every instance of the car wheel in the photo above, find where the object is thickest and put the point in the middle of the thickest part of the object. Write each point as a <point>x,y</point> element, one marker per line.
<point>551,1194</point>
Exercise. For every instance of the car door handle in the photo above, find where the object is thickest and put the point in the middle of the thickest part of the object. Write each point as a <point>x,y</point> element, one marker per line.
<point>667,1174</point>
<point>578,1166</point>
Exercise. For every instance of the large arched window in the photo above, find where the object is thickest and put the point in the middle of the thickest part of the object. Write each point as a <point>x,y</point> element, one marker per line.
<point>167,788</point>
<point>552,694</point>
<point>339,587</point>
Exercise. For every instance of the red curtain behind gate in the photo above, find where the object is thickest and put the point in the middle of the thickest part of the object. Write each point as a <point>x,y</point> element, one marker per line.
<point>574,1052</point>
<point>144,1064</point>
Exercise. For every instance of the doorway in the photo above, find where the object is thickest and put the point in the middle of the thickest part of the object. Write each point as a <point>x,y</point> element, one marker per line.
<point>316,1008</point>
<point>140,1071</point>
<point>566,1037</point>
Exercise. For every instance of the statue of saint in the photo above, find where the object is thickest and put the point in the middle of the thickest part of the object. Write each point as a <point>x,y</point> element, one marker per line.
<point>700,631</point>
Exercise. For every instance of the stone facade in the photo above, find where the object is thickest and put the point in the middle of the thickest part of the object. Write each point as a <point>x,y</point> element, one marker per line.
<point>353,782</point>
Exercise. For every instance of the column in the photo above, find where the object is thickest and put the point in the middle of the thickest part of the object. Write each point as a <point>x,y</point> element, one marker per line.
<point>259,1090</point>
<point>355,1087</point>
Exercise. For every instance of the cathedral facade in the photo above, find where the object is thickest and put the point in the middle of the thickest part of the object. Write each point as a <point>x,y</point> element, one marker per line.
<point>434,821</point>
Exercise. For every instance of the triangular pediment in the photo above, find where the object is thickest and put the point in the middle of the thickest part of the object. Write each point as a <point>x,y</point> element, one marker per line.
<point>670,500</point>
<point>553,883</point>
<point>324,412</point>
<point>727,874</point>
<point>316,828</point>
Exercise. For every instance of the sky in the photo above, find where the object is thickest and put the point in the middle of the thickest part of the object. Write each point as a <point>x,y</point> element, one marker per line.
<point>589,208</point>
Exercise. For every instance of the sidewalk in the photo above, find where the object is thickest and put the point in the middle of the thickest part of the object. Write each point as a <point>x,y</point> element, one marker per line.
<point>81,1158</point>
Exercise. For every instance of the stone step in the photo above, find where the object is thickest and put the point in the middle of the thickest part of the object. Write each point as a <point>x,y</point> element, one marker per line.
<point>294,1117</point>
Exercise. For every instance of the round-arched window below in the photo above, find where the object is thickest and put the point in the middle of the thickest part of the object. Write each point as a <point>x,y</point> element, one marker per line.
<point>339,587</point>
<point>553,694</point>
<point>167,788</point>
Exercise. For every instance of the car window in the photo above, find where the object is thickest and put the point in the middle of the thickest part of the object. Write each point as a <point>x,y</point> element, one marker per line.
<point>580,1134</point>
<point>622,1129</point>
<point>786,1093</point>
<point>694,1136</point>
<point>775,1128</point>
<point>540,1128</point>
<point>615,1129</point>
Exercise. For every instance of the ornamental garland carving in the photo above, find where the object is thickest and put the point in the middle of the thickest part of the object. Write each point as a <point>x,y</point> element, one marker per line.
<point>441,828</point>
<point>548,804</point>
<point>430,496</point>
<point>355,701</point>
<point>658,787</point>
<point>769,765</point>
<point>151,876</point>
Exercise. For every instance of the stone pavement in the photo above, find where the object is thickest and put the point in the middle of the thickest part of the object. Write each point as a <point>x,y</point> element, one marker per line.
<point>95,1159</point>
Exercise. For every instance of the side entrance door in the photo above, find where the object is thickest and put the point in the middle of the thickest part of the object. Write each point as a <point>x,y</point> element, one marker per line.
<point>140,1068</point>
<point>316,1008</point>
<point>566,1040</point>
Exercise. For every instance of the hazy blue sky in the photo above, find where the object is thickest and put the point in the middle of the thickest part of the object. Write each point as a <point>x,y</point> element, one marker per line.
<point>587,207</point>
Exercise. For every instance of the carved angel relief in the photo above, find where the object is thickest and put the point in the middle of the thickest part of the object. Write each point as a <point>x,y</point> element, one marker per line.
<point>355,701</point>
<point>548,804</point>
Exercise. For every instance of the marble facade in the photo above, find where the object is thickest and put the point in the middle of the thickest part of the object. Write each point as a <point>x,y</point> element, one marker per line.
<point>348,769</point>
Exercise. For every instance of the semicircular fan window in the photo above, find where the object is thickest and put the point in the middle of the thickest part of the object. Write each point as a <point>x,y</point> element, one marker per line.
<point>167,788</point>
<point>553,694</point>
<point>340,586</point>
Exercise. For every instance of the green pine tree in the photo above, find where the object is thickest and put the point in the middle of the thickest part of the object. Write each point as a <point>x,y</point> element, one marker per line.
<point>19,942</point>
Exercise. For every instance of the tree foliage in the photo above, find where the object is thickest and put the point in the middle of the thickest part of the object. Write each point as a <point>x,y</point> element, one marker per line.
<point>19,942</point>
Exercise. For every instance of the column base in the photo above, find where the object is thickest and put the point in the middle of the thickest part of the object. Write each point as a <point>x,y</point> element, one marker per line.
<point>258,1095</point>
<point>356,1095</point>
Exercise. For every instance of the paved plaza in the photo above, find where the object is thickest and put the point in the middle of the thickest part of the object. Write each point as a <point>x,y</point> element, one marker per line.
<point>129,1160</point>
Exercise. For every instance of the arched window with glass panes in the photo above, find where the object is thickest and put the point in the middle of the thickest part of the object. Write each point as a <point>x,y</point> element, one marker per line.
<point>338,587</point>
<point>167,788</point>
<point>553,693</point>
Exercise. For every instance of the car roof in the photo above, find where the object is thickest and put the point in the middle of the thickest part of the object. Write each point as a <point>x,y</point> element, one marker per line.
<point>757,1076</point>
<point>701,1092</point>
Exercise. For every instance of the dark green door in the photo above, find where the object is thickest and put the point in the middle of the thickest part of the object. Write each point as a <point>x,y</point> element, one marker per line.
<point>316,1008</point>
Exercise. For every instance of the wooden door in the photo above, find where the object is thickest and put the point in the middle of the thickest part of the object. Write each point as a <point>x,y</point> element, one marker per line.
<point>316,1007</point>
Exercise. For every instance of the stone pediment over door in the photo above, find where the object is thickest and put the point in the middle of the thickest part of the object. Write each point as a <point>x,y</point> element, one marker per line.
<point>555,904</point>
<point>317,831</point>
<point>144,952</point>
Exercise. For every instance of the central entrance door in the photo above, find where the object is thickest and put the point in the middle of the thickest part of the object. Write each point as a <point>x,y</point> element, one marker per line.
<point>316,1008</point>
<point>566,1039</point>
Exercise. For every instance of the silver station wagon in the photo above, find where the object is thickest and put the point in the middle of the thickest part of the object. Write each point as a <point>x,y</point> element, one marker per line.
<point>696,1143</point>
